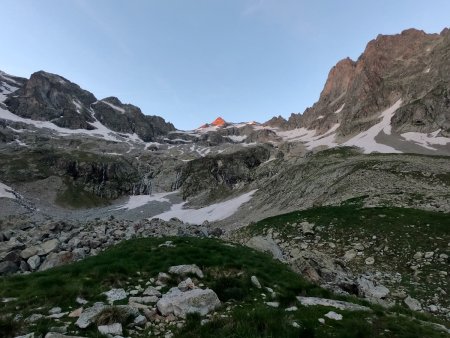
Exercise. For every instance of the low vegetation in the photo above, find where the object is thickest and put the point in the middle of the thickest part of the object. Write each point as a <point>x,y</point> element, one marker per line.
<point>227,268</point>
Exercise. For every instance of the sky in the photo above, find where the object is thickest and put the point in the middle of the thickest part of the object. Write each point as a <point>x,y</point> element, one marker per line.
<point>191,61</point>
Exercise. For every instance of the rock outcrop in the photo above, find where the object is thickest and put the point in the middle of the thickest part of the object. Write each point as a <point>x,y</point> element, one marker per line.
<point>411,66</point>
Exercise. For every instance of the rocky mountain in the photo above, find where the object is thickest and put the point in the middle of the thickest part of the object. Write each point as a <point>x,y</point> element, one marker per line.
<point>410,67</point>
<point>50,97</point>
<point>353,195</point>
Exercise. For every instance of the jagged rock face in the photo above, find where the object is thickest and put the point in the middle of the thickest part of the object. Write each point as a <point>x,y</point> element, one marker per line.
<point>413,66</point>
<point>222,171</point>
<point>49,97</point>
<point>127,118</point>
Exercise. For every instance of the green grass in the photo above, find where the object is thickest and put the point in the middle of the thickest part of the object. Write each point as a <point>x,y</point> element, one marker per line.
<point>227,270</point>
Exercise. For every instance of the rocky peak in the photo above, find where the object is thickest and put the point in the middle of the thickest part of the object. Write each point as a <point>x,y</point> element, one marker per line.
<point>410,65</point>
<point>219,122</point>
<point>339,79</point>
<point>50,97</point>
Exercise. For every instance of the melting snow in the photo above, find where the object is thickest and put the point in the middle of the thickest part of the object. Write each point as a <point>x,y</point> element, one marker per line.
<point>101,131</point>
<point>366,139</point>
<point>426,140</point>
<point>237,138</point>
<point>113,106</point>
<point>6,191</point>
<point>211,213</point>
<point>137,201</point>
<point>340,109</point>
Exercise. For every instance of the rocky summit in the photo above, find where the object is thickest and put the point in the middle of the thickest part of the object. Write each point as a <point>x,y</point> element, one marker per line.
<point>330,223</point>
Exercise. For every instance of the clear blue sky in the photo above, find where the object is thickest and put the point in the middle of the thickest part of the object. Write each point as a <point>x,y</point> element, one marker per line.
<point>192,60</point>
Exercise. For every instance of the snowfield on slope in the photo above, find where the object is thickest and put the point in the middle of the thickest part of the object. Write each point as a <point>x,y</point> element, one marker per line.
<point>426,140</point>
<point>366,139</point>
<point>6,191</point>
<point>137,201</point>
<point>211,213</point>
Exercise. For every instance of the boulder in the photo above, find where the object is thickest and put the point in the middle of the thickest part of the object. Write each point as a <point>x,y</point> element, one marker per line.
<point>57,259</point>
<point>266,244</point>
<point>184,270</point>
<point>34,262</point>
<point>255,282</point>
<point>87,317</point>
<point>152,291</point>
<point>115,294</point>
<point>48,246</point>
<point>367,288</point>
<point>413,304</point>
<point>112,329</point>
<point>28,252</point>
<point>193,301</point>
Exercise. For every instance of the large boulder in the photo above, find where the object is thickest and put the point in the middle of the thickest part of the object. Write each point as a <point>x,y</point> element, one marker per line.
<point>193,301</point>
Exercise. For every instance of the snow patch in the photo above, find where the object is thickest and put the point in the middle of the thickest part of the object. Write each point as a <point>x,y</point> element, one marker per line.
<point>426,140</point>
<point>100,131</point>
<point>237,138</point>
<point>340,109</point>
<point>366,139</point>
<point>113,106</point>
<point>6,192</point>
<point>137,201</point>
<point>320,117</point>
<point>211,213</point>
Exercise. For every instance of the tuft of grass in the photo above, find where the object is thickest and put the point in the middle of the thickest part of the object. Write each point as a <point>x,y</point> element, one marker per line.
<point>112,315</point>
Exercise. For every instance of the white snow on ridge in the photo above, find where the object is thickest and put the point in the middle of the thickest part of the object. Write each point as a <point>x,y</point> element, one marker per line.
<point>237,138</point>
<point>211,213</point>
<point>327,139</point>
<point>6,191</point>
<point>113,106</point>
<point>426,140</point>
<point>137,201</point>
<point>101,131</point>
<point>366,139</point>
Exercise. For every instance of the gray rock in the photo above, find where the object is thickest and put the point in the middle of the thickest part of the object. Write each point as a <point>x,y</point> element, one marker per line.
<point>255,282</point>
<point>112,329</point>
<point>413,304</point>
<point>369,261</point>
<point>34,318</point>
<point>338,304</point>
<point>186,285</point>
<point>307,228</point>
<point>367,289</point>
<point>57,259</point>
<point>28,252</point>
<point>88,315</point>
<point>349,255</point>
<point>266,244</point>
<point>34,262</point>
<point>184,270</point>
<point>193,301</point>
<point>152,291</point>
<point>48,246</point>
<point>8,267</point>
<point>55,310</point>
<point>140,320</point>
<point>115,294</point>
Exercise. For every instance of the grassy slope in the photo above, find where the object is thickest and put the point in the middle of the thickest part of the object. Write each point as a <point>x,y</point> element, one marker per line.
<point>227,271</point>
